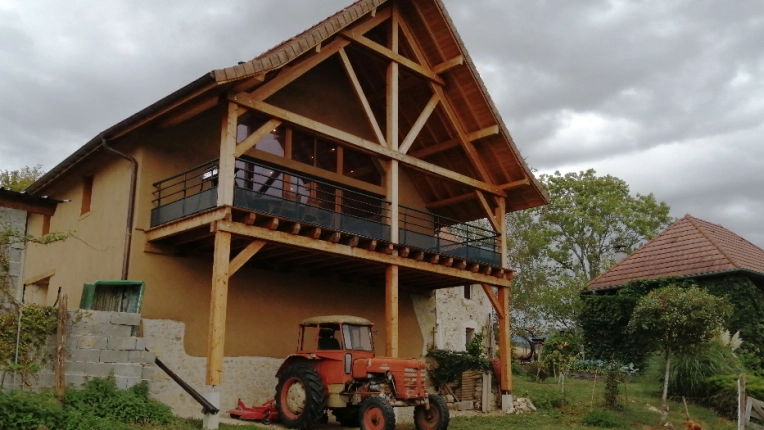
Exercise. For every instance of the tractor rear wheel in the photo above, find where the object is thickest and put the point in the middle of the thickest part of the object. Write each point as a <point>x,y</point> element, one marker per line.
<point>377,414</point>
<point>300,397</point>
<point>436,418</point>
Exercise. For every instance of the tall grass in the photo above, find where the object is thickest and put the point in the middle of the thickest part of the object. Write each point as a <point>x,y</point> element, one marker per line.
<point>690,369</point>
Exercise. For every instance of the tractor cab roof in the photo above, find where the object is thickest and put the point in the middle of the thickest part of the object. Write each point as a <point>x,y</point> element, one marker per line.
<point>339,319</point>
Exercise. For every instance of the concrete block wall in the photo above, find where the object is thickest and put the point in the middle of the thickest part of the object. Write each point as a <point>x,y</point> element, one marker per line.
<point>99,344</point>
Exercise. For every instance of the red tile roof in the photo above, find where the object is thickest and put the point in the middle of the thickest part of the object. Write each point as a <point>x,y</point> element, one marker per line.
<point>688,247</point>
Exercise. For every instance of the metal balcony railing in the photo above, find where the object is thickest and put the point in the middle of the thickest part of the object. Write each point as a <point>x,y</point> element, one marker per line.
<point>294,196</point>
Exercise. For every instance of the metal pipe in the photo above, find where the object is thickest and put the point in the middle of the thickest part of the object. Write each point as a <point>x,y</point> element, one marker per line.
<point>207,407</point>
<point>130,207</point>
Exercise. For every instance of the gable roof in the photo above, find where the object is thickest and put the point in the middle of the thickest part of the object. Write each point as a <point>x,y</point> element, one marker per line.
<point>688,247</point>
<point>432,27</point>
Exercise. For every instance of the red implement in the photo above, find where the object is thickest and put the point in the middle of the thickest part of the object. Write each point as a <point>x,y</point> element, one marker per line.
<point>266,413</point>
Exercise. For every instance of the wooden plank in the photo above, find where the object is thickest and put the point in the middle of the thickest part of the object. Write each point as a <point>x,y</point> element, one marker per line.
<point>515,184</point>
<point>444,146</point>
<point>418,124</point>
<point>250,220</point>
<point>391,311</point>
<point>188,223</point>
<point>279,237</point>
<point>505,347</point>
<point>452,200</point>
<point>449,64</point>
<point>486,132</point>
<point>501,219</point>
<point>362,97</point>
<point>497,306</point>
<point>758,409</point>
<point>258,135</point>
<point>218,307</point>
<point>289,74</point>
<point>244,256</point>
<point>316,172</point>
<point>365,145</point>
<point>389,54</point>
<point>227,162</point>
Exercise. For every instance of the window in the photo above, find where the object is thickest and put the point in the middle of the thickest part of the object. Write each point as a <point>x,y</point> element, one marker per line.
<point>357,337</point>
<point>45,225</point>
<point>468,292</point>
<point>309,334</point>
<point>469,336</point>
<point>87,194</point>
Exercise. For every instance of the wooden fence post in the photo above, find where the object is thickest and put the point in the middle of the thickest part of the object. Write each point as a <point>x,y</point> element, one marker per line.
<point>741,401</point>
<point>61,347</point>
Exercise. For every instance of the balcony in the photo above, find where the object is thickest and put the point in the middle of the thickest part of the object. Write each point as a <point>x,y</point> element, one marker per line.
<point>294,197</point>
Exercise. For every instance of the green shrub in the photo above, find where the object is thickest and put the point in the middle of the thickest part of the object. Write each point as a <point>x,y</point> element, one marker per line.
<point>601,418</point>
<point>451,364</point>
<point>722,391</point>
<point>690,369</point>
<point>547,399</point>
<point>537,370</point>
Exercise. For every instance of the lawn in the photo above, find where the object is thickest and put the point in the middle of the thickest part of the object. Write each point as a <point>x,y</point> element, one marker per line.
<point>637,396</point>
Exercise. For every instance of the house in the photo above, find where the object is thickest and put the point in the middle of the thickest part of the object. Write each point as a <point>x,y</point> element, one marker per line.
<point>689,248</point>
<point>14,207</point>
<point>690,251</point>
<point>337,173</point>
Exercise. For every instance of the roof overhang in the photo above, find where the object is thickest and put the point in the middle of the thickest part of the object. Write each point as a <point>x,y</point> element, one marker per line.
<point>28,203</point>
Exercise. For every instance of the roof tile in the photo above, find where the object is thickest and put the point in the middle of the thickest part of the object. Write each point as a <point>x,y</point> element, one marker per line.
<point>690,246</point>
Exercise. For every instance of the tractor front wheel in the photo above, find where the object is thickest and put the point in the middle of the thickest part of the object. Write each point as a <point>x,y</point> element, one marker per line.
<point>377,414</point>
<point>436,418</point>
<point>300,397</point>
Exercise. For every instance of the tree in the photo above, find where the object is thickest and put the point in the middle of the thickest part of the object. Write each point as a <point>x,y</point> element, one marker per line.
<point>558,248</point>
<point>21,179</point>
<point>678,318</point>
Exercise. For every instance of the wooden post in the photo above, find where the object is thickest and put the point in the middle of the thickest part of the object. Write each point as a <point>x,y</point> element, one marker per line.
<point>391,311</point>
<point>61,347</point>
<point>218,304</point>
<point>501,213</point>
<point>227,163</point>
<point>505,347</point>
<point>391,177</point>
<point>741,403</point>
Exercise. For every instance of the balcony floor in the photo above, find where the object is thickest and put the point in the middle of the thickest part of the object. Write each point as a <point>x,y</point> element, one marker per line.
<point>193,235</point>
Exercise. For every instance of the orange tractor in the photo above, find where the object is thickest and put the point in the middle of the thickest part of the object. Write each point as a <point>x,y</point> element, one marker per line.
<point>334,369</point>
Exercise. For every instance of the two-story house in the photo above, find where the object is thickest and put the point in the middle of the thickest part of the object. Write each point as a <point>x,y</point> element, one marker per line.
<point>337,173</point>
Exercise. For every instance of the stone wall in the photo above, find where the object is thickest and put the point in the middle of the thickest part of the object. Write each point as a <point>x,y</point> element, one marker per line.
<point>14,219</point>
<point>455,314</point>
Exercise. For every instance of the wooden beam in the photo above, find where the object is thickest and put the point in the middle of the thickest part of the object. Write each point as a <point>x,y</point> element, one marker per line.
<point>227,162</point>
<point>316,172</point>
<point>434,259</point>
<point>444,146</point>
<point>258,135</point>
<point>488,211</point>
<point>153,248</point>
<point>501,218</point>
<point>19,203</point>
<point>497,306</point>
<point>189,113</point>
<point>283,238</point>
<point>486,132</point>
<point>515,184</point>
<point>365,145</point>
<point>362,97</point>
<point>250,220</point>
<point>418,124</point>
<point>218,305</point>
<point>188,223</point>
<point>249,83</point>
<point>452,200</point>
<point>449,64</point>
<point>392,85</point>
<point>389,54</point>
<point>505,347</point>
<point>391,311</point>
<point>315,233</point>
<point>291,73</point>
<point>448,262</point>
<point>244,256</point>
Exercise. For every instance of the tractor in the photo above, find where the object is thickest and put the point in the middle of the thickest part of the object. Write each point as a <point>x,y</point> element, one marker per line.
<point>334,369</point>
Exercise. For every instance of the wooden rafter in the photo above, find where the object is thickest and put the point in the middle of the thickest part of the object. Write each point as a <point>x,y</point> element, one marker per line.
<point>452,200</point>
<point>189,113</point>
<point>389,54</point>
<point>278,237</point>
<point>362,97</point>
<point>289,74</point>
<point>258,135</point>
<point>488,211</point>
<point>515,184</point>
<point>444,146</point>
<point>363,144</point>
<point>418,124</point>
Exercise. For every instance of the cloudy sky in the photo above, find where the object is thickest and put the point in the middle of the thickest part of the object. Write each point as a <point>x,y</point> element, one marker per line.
<point>667,95</point>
